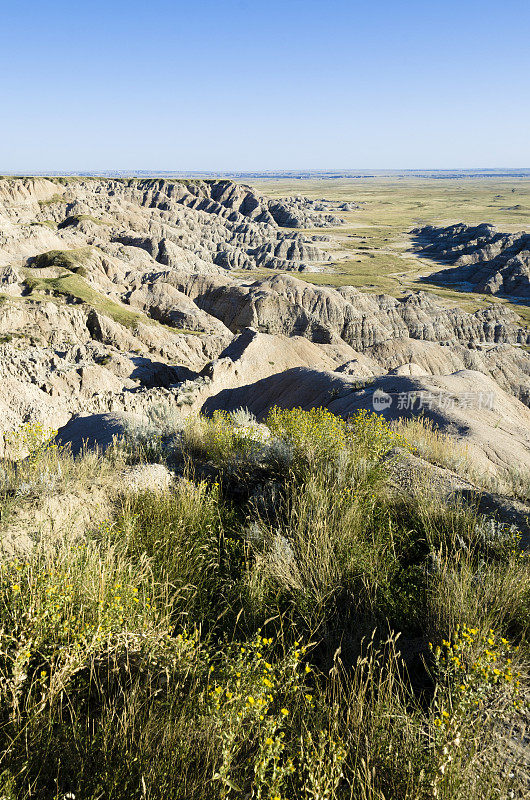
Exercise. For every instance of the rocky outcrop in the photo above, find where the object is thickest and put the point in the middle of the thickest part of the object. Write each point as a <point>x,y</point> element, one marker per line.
<point>215,196</point>
<point>59,359</point>
<point>483,259</point>
<point>205,225</point>
<point>286,305</point>
<point>94,431</point>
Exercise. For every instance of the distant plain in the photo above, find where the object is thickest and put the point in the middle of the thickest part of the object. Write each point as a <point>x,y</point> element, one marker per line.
<point>374,250</point>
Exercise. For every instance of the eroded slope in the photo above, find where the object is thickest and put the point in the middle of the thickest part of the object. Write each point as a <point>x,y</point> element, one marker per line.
<point>483,258</point>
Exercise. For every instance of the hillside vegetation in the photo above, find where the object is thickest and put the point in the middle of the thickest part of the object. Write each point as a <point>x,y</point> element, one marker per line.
<point>280,623</point>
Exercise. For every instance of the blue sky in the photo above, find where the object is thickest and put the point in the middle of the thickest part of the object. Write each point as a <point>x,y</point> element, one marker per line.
<point>237,85</point>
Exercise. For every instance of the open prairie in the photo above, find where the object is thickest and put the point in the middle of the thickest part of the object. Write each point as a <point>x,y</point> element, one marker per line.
<point>375,250</point>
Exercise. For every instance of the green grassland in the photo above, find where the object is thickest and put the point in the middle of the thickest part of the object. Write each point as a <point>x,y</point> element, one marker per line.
<point>72,260</point>
<point>375,249</point>
<point>261,630</point>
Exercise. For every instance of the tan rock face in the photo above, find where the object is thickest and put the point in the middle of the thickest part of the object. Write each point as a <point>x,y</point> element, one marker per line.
<point>206,225</point>
<point>285,304</point>
<point>118,294</point>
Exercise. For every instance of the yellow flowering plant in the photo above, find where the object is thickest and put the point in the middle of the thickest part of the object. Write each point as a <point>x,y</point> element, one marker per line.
<point>475,676</point>
<point>33,440</point>
<point>55,619</point>
<point>253,699</point>
<point>317,434</point>
<point>370,433</point>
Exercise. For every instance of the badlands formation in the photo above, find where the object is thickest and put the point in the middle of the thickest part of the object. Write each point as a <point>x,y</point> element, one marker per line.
<point>482,258</point>
<point>120,295</point>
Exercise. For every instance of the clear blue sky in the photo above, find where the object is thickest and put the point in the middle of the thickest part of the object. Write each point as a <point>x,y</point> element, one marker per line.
<point>237,85</point>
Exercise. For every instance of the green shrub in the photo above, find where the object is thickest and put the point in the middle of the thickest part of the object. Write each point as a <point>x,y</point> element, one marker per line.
<point>219,440</point>
<point>185,536</point>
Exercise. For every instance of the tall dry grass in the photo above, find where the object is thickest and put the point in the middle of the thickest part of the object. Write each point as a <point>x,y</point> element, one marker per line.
<point>210,643</point>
